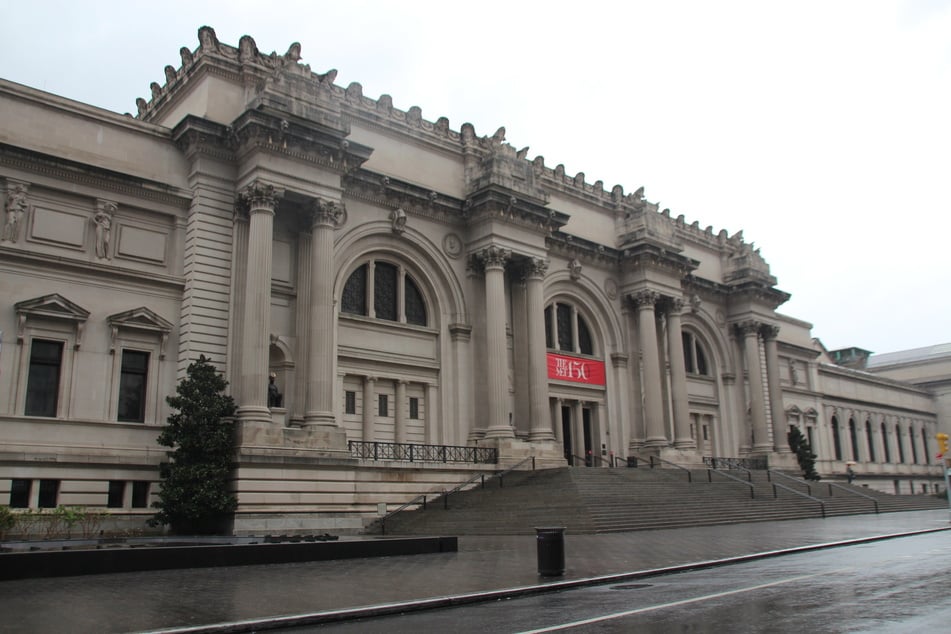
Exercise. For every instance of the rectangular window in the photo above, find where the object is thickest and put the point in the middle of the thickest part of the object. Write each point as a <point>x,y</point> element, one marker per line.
<point>116,494</point>
<point>49,494</point>
<point>42,385</point>
<point>383,405</point>
<point>20,494</point>
<point>414,408</point>
<point>140,494</point>
<point>132,381</point>
<point>350,402</point>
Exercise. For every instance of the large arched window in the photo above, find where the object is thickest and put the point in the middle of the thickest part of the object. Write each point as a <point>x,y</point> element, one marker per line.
<point>384,291</point>
<point>695,356</point>
<point>836,441</point>
<point>567,330</point>
<point>885,451</point>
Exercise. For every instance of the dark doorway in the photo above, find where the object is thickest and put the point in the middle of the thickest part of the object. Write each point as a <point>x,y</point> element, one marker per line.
<point>588,448</point>
<point>566,433</point>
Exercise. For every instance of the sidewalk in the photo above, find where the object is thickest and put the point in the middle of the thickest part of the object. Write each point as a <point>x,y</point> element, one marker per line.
<point>192,598</point>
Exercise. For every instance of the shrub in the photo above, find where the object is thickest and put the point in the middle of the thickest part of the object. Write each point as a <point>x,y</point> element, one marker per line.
<point>195,495</point>
<point>807,460</point>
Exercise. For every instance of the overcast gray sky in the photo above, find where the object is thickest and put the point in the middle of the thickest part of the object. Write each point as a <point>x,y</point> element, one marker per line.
<point>821,129</point>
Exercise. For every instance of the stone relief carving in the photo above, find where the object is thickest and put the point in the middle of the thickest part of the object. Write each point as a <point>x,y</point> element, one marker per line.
<point>452,245</point>
<point>17,206</point>
<point>610,288</point>
<point>105,211</point>
<point>574,269</point>
<point>398,220</point>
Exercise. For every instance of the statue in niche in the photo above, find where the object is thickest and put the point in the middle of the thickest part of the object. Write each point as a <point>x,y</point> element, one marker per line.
<point>274,396</point>
<point>398,218</point>
<point>16,206</point>
<point>103,222</point>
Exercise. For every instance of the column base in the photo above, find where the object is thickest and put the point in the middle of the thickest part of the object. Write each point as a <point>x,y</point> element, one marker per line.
<point>319,419</point>
<point>253,413</point>
<point>499,431</point>
<point>273,438</point>
<point>541,435</point>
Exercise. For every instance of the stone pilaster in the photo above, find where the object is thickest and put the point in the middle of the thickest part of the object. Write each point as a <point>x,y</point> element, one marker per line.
<point>541,424</point>
<point>678,377</point>
<point>399,414</point>
<point>369,407</point>
<point>653,394</point>
<point>260,200</point>
<point>325,217</point>
<point>776,409</point>
<point>749,330</point>
<point>494,260</point>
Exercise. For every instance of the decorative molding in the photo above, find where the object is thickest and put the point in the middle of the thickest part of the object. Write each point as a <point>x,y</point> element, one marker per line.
<point>53,306</point>
<point>143,319</point>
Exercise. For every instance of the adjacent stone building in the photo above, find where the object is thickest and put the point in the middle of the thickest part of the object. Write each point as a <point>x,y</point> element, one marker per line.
<point>415,293</point>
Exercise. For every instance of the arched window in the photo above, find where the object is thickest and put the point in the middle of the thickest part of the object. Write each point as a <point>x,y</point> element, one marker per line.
<point>836,441</point>
<point>695,357</point>
<point>901,445</point>
<point>388,289</point>
<point>886,453</point>
<point>567,330</point>
<point>853,440</point>
<point>871,444</point>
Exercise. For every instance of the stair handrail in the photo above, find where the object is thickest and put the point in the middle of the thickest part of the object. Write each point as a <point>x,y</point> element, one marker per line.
<point>822,505</point>
<point>669,463</point>
<point>732,477</point>
<point>515,466</point>
<point>770,473</point>
<point>414,501</point>
<point>853,492</point>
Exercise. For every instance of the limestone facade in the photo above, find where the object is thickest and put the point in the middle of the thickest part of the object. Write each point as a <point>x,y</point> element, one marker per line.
<point>404,281</point>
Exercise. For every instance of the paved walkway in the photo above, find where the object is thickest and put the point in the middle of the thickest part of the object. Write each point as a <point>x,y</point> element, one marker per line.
<point>148,601</point>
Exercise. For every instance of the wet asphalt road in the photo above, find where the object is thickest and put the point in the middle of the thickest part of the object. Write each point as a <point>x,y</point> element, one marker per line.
<point>896,586</point>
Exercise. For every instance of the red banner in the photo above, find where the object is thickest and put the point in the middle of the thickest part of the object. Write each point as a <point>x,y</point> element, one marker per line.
<point>564,368</point>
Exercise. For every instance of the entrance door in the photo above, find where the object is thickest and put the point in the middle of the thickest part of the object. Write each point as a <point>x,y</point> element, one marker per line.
<point>566,433</point>
<point>588,444</point>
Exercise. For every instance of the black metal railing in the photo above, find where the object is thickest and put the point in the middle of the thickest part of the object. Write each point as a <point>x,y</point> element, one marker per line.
<point>659,462</point>
<point>409,452</point>
<point>755,464</point>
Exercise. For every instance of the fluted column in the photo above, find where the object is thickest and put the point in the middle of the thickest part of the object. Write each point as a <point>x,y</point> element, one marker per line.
<point>750,332</point>
<point>494,260</point>
<point>400,413</point>
<point>369,407</point>
<point>653,395</point>
<point>541,426</point>
<point>678,377</point>
<point>577,423</point>
<point>325,217</point>
<point>776,408</point>
<point>260,200</point>
<point>555,413</point>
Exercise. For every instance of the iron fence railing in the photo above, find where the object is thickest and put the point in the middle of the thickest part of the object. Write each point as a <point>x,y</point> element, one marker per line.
<point>755,464</point>
<point>410,452</point>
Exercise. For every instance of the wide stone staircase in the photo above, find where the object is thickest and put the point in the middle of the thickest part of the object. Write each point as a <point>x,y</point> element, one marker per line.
<point>592,500</point>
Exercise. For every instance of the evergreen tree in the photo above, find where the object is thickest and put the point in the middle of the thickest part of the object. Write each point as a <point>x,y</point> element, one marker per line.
<point>803,451</point>
<point>195,495</point>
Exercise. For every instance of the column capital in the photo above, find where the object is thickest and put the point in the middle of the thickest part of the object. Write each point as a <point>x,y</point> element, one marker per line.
<point>748,327</point>
<point>493,257</point>
<point>259,196</point>
<point>769,331</point>
<point>536,268</point>
<point>327,213</point>
<point>645,299</point>
<point>673,306</point>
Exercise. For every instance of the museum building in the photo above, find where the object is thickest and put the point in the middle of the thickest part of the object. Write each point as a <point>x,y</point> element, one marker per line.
<point>396,305</point>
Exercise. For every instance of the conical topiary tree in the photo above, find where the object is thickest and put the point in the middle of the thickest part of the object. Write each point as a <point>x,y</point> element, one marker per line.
<point>803,450</point>
<point>195,496</point>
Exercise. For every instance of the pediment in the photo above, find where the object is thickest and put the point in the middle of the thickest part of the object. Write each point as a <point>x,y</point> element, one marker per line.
<point>52,306</point>
<point>141,319</point>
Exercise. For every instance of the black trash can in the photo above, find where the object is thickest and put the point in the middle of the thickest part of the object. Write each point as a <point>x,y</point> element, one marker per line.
<point>632,462</point>
<point>551,550</point>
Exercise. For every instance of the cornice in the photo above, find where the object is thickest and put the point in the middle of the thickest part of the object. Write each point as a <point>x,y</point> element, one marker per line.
<point>392,193</point>
<point>589,252</point>
<point>495,203</point>
<point>64,170</point>
<point>650,256</point>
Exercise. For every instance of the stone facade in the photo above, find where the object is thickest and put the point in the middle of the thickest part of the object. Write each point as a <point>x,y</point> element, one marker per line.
<point>403,282</point>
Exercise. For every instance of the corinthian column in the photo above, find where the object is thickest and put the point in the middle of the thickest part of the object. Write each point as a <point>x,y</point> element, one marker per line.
<point>678,376</point>
<point>494,259</point>
<point>653,395</point>
<point>260,200</point>
<point>776,409</point>
<point>750,332</point>
<point>325,217</point>
<point>541,425</point>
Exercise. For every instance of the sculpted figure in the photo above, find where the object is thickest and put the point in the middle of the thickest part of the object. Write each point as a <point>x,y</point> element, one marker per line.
<point>103,222</point>
<point>398,218</point>
<point>16,207</point>
<point>274,396</point>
